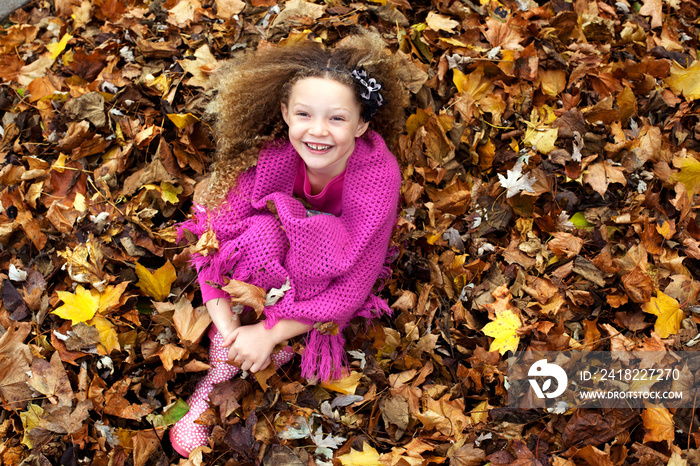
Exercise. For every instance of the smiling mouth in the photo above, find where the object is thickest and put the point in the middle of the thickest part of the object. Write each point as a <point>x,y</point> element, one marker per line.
<point>319,147</point>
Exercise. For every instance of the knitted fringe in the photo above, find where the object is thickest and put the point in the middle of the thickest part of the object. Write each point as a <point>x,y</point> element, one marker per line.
<point>373,307</point>
<point>213,267</point>
<point>324,357</point>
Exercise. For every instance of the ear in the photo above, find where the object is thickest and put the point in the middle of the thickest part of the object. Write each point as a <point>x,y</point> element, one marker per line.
<point>285,113</point>
<point>361,128</point>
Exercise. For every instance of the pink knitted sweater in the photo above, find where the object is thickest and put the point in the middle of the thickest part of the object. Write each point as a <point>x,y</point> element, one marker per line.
<point>332,262</point>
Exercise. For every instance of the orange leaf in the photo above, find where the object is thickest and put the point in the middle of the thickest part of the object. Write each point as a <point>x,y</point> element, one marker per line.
<point>658,422</point>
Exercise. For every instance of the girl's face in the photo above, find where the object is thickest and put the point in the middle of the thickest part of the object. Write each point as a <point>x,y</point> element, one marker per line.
<point>323,116</point>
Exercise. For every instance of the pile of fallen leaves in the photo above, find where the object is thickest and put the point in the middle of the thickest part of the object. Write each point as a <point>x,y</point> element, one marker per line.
<point>551,172</point>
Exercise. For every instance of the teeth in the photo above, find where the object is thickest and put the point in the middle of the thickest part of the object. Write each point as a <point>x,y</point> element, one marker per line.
<point>317,146</point>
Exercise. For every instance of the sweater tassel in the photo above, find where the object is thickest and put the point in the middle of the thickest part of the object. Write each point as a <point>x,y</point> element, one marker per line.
<point>374,306</point>
<point>324,356</point>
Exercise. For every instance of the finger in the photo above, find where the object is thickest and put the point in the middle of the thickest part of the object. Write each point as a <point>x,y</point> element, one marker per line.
<point>229,339</point>
<point>265,364</point>
<point>246,366</point>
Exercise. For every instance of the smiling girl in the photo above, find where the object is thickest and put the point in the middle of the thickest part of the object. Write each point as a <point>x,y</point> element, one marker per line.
<point>304,191</point>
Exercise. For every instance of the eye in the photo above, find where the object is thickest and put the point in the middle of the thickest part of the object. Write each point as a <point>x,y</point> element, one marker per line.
<point>302,114</point>
<point>338,118</point>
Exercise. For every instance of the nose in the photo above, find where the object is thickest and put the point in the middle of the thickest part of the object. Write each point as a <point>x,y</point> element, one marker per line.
<point>318,127</point>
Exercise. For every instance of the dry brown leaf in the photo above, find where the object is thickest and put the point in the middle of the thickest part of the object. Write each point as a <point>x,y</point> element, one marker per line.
<point>246,295</point>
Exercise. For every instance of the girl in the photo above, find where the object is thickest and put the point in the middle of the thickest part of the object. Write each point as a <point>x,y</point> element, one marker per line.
<point>313,204</point>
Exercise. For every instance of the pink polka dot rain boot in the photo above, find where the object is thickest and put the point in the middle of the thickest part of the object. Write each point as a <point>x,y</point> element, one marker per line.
<point>186,435</point>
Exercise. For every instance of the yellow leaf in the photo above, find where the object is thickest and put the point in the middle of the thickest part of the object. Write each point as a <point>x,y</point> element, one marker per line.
<point>658,423</point>
<point>60,164</point>
<point>538,134</point>
<point>542,139</point>
<point>481,412</point>
<point>108,335</point>
<point>79,203</point>
<point>169,192</point>
<point>157,284</point>
<point>685,81</point>
<point>553,82</point>
<point>665,229</point>
<point>474,83</point>
<point>78,307</point>
<point>57,47</point>
<point>346,385</point>
<point>454,42</point>
<point>30,419</point>
<point>367,457</point>
<point>415,121</point>
<point>182,120</point>
<point>689,174</point>
<point>668,312</point>
<point>111,297</point>
<point>504,327</point>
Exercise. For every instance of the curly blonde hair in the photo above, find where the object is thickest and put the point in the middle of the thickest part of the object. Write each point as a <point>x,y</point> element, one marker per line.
<point>247,108</point>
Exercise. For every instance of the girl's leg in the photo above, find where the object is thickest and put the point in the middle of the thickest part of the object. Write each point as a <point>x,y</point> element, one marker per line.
<point>186,435</point>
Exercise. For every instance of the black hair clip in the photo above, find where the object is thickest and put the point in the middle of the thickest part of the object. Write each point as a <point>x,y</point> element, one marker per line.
<point>370,94</point>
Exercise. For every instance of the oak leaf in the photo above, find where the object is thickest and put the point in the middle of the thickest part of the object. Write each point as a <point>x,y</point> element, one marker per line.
<point>157,284</point>
<point>653,8</point>
<point>668,312</point>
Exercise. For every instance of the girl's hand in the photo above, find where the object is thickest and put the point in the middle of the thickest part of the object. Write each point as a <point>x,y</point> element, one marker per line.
<point>250,347</point>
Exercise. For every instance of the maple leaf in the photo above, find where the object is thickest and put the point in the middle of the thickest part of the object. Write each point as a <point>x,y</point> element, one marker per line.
<point>538,134</point>
<point>506,323</point>
<point>658,423</point>
<point>108,334</point>
<point>157,284</point>
<point>689,174</point>
<point>685,80</point>
<point>601,174</point>
<point>246,294</point>
<point>367,457</point>
<point>111,297</point>
<point>51,379</point>
<point>190,323</point>
<point>78,307</point>
<point>668,312</point>
<point>516,182</point>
